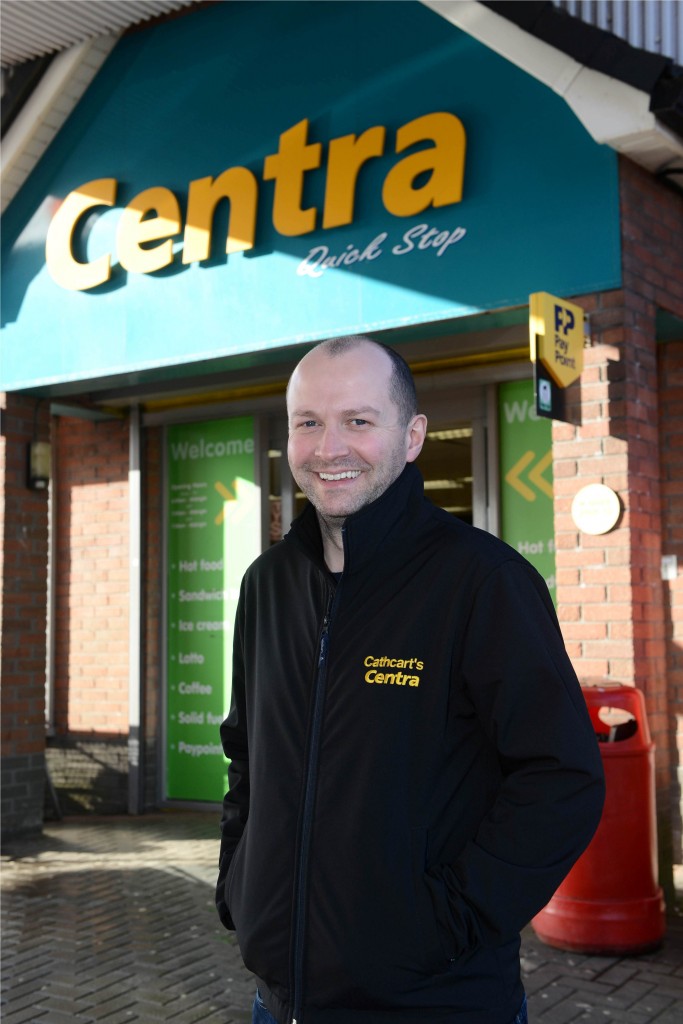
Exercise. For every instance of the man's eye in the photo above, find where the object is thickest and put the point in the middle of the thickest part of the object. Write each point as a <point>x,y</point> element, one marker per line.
<point>309,423</point>
<point>357,421</point>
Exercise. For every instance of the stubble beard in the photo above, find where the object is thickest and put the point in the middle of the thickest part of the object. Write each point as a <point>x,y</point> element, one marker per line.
<point>333,521</point>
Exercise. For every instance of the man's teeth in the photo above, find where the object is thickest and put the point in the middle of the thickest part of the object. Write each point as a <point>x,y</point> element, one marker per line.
<point>349,474</point>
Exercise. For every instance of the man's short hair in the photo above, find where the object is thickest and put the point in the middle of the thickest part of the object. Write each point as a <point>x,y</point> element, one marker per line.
<point>401,384</point>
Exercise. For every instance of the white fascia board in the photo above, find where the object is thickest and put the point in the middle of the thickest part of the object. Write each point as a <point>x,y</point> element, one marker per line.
<point>614,113</point>
<point>46,110</point>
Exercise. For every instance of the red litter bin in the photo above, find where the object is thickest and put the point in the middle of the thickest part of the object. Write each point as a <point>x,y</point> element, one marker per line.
<point>610,901</point>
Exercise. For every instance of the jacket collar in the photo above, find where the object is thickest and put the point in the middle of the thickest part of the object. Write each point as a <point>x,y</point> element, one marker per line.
<point>369,530</point>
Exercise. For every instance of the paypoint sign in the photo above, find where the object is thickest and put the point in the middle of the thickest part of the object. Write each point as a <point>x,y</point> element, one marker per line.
<point>556,338</point>
<point>556,332</point>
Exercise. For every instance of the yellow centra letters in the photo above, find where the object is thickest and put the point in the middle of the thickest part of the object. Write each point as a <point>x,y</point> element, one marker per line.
<point>240,187</point>
<point>287,168</point>
<point>445,160</point>
<point>392,678</point>
<point>66,270</point>
<point>345,159</point>
<point>136,228</point>
<point>432,176</point>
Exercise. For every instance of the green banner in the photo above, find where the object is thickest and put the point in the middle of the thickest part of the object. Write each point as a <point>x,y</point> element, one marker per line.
<point>526,475</point>
<point>213,512</point>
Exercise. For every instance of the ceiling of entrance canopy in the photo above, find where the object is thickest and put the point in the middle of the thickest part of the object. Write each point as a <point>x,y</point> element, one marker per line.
<point>39,27</point>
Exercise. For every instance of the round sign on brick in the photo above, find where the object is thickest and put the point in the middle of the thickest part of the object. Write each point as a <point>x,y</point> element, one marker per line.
<point>596,509</point>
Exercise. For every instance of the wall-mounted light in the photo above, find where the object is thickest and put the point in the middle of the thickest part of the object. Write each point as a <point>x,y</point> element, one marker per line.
<point>39,465</point>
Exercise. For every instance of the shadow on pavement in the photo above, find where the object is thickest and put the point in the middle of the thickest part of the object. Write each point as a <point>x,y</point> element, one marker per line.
<point>113,920</point>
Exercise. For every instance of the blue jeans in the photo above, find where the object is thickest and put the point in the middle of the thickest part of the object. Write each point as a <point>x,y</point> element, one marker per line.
<point>522,1017</point>
<point>262,1016</point>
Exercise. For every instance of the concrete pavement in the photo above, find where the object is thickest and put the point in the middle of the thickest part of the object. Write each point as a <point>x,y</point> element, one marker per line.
<point>112,920</point>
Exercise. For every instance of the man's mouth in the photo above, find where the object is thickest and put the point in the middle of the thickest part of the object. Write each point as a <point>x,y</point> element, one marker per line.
<point>347,474</point>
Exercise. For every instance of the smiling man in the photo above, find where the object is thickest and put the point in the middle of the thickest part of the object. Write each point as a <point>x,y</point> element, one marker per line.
<point>351,432</point>
<point>413,770</point>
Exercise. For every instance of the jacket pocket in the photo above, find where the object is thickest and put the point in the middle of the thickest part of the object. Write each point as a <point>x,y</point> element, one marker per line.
<point>232,872</point>
<point>435,958</point>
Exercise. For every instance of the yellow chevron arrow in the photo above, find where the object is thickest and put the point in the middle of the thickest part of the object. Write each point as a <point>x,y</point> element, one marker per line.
<point>228,495</point>
<point>535,474</point>
<point>513,475</point>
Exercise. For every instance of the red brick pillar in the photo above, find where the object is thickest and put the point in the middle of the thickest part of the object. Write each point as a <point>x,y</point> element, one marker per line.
<point>609,587</point>
<point>611,599</point>
<point>671,433</point>
<point>23,611</point>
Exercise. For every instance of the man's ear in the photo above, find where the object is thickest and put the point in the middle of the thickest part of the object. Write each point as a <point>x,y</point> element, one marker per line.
<point>417,431</point>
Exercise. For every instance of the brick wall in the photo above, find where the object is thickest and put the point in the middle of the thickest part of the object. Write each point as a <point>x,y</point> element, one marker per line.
<point>652,228</point>
<point>611,600</point>
<point>671,434</point>
<point>23,608</point>
<point>91,613</point>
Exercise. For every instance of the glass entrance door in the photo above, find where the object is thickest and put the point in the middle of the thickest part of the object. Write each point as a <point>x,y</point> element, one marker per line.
<point>446,465</point>
<point>458,459</point>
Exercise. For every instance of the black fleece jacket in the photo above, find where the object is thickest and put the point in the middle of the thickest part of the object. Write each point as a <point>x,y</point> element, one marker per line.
<point>413,770</point>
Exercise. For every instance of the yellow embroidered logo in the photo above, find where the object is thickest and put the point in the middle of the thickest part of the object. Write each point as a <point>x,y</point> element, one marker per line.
<point>396,677</point>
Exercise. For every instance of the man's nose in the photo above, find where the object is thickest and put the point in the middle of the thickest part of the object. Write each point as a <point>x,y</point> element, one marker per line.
<point>331,443</point>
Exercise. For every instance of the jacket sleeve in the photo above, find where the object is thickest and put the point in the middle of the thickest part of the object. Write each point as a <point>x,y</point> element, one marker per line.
<point>233,733</point>
<point>529,702</point>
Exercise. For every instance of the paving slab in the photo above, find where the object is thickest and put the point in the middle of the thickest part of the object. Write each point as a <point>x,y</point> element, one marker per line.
<point>112,921</point>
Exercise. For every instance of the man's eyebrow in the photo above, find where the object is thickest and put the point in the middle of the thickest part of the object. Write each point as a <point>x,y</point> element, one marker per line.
<point>344,412</point>
<point>363,409</point>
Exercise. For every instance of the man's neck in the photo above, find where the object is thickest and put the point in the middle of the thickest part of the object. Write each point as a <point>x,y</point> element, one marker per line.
<point>333,542</point>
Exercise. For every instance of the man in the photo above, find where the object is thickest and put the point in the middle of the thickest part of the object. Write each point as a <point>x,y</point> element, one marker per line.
<point>413,768</point>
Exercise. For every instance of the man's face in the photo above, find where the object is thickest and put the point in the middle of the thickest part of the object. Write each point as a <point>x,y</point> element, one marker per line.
<point>347,443</point>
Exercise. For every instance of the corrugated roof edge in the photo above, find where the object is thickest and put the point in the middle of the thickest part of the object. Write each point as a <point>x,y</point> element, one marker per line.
<point>602,51</point>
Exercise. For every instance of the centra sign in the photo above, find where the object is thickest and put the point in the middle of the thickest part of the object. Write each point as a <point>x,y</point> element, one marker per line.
<point>148,224</point>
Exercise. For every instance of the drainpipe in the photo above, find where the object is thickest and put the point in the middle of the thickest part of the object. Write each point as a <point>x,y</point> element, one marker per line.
<point>135,675</point>
<point>50,625</point>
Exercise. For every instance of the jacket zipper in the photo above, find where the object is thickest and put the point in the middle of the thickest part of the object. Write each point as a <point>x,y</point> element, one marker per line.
<point>309,801</point>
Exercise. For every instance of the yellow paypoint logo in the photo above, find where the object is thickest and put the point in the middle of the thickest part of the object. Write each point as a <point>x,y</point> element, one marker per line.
<point>556,336</point>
